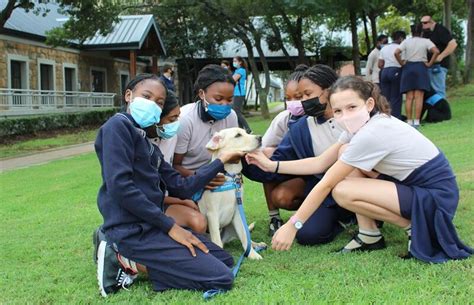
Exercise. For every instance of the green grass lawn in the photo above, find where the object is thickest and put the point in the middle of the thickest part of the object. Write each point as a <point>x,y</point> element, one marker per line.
<point>49,211</point>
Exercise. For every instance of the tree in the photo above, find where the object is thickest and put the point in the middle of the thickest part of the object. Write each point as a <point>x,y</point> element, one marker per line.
<point>469,64</point>
<point>86,17</point>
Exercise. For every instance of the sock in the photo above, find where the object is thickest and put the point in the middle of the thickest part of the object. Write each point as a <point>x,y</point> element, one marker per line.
<point>416,122</point>
<point>129,266</point>
<point>368,236</point>
<point>408,232</point>
<point>274,214</point>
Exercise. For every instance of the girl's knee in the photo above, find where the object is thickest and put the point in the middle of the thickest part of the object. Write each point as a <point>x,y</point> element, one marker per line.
<point>198,223</point>
<point>317,237</point>
<point>340,193</point>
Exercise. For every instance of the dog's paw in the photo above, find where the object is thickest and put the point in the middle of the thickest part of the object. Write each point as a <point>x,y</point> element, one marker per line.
<point>260,245</point>
<point>251,226</point>
<point>254,255</point>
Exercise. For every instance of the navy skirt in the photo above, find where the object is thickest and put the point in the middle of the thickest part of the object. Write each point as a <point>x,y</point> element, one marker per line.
<point>414,77</point>
<point>429,196</point>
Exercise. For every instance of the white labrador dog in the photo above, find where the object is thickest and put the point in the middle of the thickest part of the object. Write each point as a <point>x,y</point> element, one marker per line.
<point>220,208</point>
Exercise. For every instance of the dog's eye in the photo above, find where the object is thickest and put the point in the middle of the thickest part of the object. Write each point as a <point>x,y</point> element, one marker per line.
<point>238,135</point>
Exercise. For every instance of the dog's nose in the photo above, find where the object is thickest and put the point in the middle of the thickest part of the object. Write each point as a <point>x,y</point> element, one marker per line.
<point>259,139</point>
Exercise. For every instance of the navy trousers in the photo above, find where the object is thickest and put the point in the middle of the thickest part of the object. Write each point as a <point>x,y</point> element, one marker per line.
<point>323,226</point>
<point>170,265</point>
<point>390,86</point>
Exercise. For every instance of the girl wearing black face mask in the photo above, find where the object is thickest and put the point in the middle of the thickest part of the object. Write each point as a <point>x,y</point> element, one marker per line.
<point>308,137</point>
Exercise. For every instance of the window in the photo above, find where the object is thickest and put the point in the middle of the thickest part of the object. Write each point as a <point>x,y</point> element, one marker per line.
<point>70,83</point>
<point>18,74</point>
<point>18,78</point>
<point>46,81</point>
<point>124,79</point>
<point>46,77</point>
<point>98,80</point>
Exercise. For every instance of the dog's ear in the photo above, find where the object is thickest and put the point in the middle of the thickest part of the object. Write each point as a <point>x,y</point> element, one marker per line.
<point>214,143</point>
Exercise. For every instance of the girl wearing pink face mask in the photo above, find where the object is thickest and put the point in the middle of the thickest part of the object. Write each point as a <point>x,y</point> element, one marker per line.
<point>397,175</point>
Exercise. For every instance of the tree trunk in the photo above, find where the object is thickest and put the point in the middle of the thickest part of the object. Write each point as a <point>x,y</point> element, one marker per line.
<point>468,70</point>
<point>373,25</point>
<point>366,32</point>
<point>263,90</point>
<point>6,13</point>
<point>277,33</point>
<point>355,42</point>
<point>447,11</point>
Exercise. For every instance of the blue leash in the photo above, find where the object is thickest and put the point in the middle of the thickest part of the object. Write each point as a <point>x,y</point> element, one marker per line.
<point>238,194</point>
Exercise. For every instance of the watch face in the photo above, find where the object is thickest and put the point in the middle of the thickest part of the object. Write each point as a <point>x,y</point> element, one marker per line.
<point>298,225</point>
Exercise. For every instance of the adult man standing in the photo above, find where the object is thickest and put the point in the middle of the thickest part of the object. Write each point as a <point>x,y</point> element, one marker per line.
<point>167,77</point>
<point>372,70</point>
<point>444,41</point>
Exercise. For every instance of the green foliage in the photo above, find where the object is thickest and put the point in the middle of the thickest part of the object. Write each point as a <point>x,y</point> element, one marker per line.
<point>393,21</point>
<point>11,127</point>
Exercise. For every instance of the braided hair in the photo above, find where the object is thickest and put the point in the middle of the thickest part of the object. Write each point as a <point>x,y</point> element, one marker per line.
<point>297,74</point>
<point>364,90</point>
<point>171,102</point>
<point>322,75</point>
<point>138,80</point>
<point>209,75</point>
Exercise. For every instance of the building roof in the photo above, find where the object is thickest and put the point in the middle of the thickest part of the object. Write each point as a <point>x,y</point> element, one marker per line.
<point>129,33</point>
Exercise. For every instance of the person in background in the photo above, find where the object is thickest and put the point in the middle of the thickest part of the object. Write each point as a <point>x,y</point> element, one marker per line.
<point>167,77</point>
<point>446,44</point>
<point>415,79</point>
<point>226,65</point>
<point>391,71</point>
<point>240,78</point>
<point>372,68</point>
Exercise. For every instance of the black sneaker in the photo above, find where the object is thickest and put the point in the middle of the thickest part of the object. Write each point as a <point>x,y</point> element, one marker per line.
<point>97,237</point>
<point>275,224</point>
<point>379,245</point>
<point>110,275</point>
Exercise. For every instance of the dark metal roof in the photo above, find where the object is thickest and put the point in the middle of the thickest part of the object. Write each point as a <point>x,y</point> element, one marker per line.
<point>128,34</point>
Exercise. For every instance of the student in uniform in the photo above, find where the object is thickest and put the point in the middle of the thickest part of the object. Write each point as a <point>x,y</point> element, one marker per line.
<point>415,79</point>
<point>184,211</point>
<point>135,179</point>
<point>308,137</point>
<point>387,171</point>
<point>391,72</point>
<point>275,134</point>
<point>211,113</point>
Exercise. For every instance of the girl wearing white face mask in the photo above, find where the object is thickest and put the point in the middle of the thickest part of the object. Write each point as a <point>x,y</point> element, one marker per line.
<point>414,188</point>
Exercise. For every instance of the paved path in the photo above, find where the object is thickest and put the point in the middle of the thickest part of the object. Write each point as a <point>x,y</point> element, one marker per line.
<point>66,152</point>
<point>46,156</point>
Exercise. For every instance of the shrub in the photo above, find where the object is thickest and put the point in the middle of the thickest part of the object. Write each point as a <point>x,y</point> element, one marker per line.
<point>30,125</point>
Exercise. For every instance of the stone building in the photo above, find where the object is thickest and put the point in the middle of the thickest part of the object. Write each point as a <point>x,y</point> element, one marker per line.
<point>36,78</point>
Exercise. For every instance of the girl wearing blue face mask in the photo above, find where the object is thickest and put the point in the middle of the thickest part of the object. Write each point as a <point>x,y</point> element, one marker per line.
<point>211,113</point>
<point>136,234</point>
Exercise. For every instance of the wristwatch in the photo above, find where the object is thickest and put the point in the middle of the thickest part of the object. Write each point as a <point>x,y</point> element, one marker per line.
<point>297,223</point>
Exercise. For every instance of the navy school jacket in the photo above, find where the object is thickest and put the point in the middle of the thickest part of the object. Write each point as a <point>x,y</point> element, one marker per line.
<point>135,176</point>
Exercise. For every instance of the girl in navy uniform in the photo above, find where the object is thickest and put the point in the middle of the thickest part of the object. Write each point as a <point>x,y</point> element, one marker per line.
<point>135,179</point>
<point>415,187</point>
<point>308,137</point>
